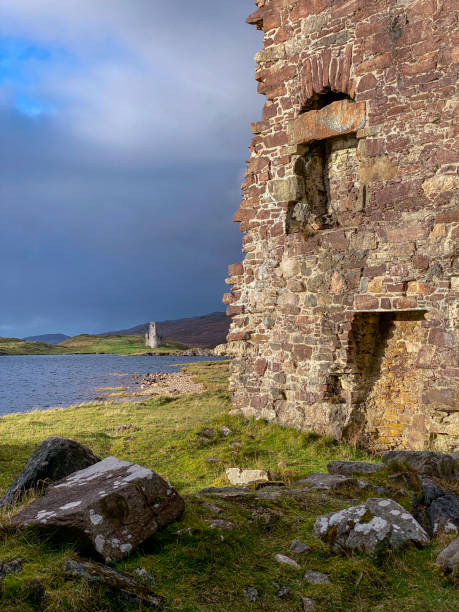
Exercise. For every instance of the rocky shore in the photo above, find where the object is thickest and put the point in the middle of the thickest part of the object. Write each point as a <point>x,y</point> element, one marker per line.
<point>162,383</point>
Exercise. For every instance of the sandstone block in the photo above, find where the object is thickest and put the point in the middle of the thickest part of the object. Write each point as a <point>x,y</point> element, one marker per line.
<point>290,189</point>
<point>107,509</point>
<point>341,117</point>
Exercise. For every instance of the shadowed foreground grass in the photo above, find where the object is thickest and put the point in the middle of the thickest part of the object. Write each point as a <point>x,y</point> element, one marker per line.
<point>196,567</point>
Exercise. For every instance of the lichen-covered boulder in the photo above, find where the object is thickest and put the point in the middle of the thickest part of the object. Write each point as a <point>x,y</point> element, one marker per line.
<point>107,509</point>
<point>55,458</point>
<point>371,528</point>
<point>428,463</point>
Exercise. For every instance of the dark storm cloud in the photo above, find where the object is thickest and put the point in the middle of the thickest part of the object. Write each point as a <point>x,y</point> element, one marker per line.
<point>124,133</point>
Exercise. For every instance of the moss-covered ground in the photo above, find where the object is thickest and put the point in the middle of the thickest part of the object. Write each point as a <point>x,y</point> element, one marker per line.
<point>197,568</point>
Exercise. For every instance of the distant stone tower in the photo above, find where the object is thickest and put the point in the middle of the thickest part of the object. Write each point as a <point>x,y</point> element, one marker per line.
<point>151,337</point>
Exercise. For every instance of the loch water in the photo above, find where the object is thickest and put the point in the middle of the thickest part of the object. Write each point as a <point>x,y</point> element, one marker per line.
<point>38,382</point>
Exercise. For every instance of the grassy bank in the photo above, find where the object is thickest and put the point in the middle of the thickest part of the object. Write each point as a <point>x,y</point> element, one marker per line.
<point>87,344</point>
<point>120,345</point>
<point>15,346</point>
<point>197,568</point>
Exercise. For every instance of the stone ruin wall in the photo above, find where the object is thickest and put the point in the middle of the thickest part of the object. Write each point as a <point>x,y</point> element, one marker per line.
<point>344,311</point>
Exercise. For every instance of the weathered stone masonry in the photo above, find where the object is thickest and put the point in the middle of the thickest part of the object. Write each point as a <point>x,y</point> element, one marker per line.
<point>344,309</point>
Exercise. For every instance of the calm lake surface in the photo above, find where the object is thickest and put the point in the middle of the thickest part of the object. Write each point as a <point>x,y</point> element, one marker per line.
<point>37,382</point>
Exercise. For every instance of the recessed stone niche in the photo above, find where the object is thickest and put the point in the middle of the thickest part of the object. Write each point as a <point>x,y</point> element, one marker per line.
<point>384,381</point>
<point>330,173</point>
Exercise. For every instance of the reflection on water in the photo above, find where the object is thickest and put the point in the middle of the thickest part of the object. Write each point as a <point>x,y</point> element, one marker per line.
<point>32,382</point>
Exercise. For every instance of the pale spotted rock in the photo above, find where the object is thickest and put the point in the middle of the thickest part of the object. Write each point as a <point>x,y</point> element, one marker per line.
<point>240,477</point>
<point>371,528</point>
<point>109,508</point>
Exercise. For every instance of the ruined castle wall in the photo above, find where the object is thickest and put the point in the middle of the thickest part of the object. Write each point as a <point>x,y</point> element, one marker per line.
<point>344,307</point>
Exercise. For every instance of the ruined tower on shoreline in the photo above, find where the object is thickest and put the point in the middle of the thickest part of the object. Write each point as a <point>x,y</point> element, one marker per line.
<point>151,337</point>
<point>345,306</point>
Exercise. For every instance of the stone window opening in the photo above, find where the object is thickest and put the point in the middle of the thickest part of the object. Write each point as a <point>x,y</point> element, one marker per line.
<point>329,172</point>
<point>324,98</point>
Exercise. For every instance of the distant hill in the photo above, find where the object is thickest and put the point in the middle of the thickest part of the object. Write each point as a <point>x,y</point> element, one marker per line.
<point>48,338</point>
<point>206,330</point>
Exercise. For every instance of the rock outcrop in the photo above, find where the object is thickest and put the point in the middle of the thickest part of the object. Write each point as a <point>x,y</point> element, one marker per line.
<point>370,528</point>
<point>427,463</point>
<point>54,459</point>
<point>107,509</point>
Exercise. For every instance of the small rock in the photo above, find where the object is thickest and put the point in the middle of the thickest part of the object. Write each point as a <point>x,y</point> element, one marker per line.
<point>224,492</point>
<point>316,577</point>
<point>123,585</point>
<point>371,528</point>
<point>286,561</point>
<point>251,593</point>
<point>11,567</point>
<point>207,433</point>
<point>327,482</point>
<point>282,593</point>
<point>448,559</point>
<point>35,593</point>
<point>235,444</point>
<point>54,459</point>
<point>299,547</point>
<point>144,575</point>
<point>225,431</point>
<point>220,524</point>
<point>211,508</point>
<point>238,476</point>
<point>427,463</point>
<point>308,604</point>
<point>348,468</point>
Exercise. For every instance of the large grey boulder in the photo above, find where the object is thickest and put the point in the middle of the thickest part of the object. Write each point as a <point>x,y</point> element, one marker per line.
<point>121,584</point>
<point>428,463</point>
<point>371,528</point>
<point>107,509</point>
<point>54,459</point>
<point>349,468</point>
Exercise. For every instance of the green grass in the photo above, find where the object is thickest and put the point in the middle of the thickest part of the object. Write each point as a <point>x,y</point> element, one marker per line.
<point>15,346</point>
<point>87,344</point>
<point>201,569</point>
